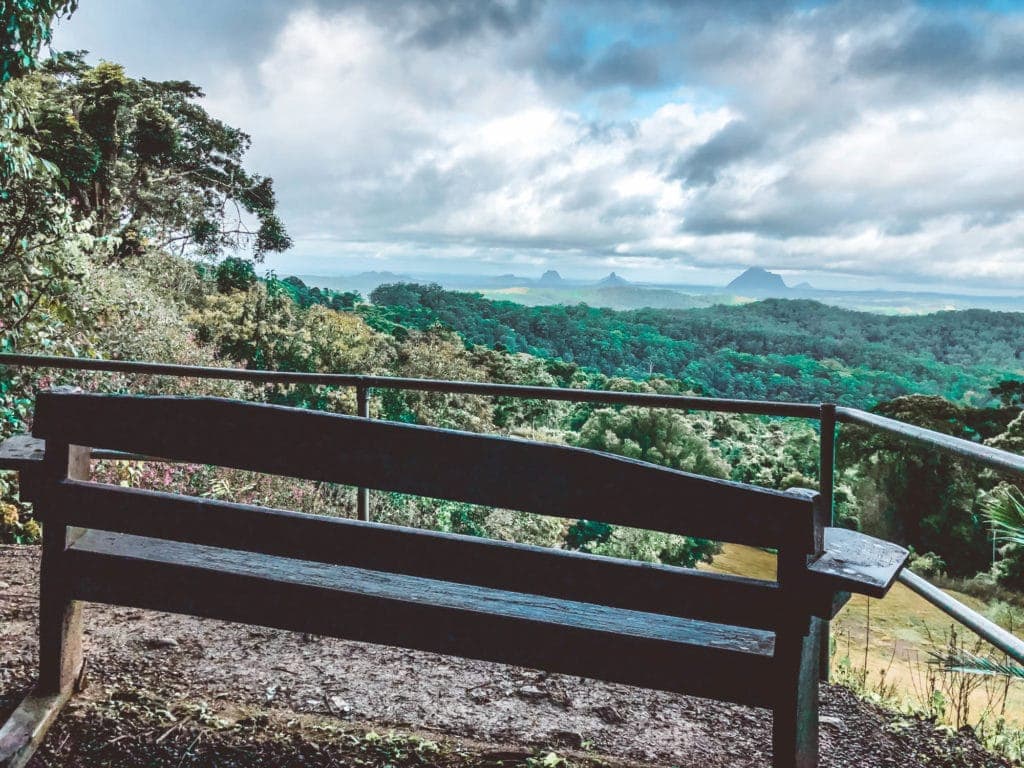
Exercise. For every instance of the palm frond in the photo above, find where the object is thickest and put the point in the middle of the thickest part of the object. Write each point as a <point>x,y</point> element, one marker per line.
<point>959,660</point>
<point>1004,509</point>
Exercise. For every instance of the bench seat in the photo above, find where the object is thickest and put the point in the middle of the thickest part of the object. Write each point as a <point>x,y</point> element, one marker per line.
<point>613,644</point>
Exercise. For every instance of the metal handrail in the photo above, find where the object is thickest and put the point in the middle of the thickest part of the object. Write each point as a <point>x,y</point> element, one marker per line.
<point>682,402</point>
<point>1009,644</point>
<point>828,415</point>
<point>983,454</point>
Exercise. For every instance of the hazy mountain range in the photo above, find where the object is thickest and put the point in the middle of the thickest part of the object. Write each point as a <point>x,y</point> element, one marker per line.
<point>617,292</point>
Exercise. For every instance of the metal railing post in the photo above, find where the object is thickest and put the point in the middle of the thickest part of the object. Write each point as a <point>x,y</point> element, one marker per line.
<point>826,488</point>
<point>363,494</point>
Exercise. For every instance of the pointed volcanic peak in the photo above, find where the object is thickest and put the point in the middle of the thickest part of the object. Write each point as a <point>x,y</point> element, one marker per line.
<point>612,281</point>
<point>551,277</point>
<point>759,280</point>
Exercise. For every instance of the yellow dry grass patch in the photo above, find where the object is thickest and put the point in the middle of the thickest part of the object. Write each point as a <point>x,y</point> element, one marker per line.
<point>903,629</point>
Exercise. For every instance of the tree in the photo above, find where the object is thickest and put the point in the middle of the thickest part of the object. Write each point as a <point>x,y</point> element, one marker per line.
<point>918,495</point>
<point>661,437</point>
<point>43,257</point>
<point>27,26</point>
<point>234,274</point>
<point>255,328</point>
<point>1010,392</point>
<point>651,434</point>
<point>149,164</point>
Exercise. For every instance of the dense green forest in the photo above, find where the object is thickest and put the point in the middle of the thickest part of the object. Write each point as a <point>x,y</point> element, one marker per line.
<point>775,349</point>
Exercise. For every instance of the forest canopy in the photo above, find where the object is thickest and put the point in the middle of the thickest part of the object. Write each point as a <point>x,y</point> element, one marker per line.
<point>775,349</point>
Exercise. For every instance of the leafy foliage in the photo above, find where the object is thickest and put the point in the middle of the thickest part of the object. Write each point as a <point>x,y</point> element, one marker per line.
<point>305,296</point>
<point>1005,511</point>
<point>234,274</point>
<point>27,26</point>
<point>920,496</point>
<point>147,163</point>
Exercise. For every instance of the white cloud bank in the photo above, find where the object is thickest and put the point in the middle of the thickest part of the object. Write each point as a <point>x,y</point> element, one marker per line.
<point>591,136</point>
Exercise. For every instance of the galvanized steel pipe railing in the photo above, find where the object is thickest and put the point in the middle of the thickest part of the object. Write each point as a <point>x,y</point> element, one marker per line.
<point>983,454</point>
<point>1009,644</point>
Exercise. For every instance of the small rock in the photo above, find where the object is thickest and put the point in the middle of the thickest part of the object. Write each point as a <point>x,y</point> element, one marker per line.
<point>340,706</point>
<point>531,692</point>
<point>478,696</point>
<point>609,714</point>
<point>561,698</point>
<point>4,585</point>
<point>154,643</point>
<point>567,738</point>
<point>835,722</point>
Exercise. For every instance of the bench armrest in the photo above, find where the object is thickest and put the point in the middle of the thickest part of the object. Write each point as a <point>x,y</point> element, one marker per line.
<point>22,452</point>
<point>856,562</point>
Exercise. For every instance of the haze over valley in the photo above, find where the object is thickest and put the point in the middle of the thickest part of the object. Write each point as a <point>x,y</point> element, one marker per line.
<point>617,292</point>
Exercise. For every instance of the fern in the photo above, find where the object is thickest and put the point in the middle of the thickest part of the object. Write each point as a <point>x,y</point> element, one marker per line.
<point>1004,509</point>
<point>959,660</point>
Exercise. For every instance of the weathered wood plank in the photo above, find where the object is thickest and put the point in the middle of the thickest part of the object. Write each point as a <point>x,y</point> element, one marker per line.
<point>25,452</point>
<point>25,729</point>
<point>493,471</point>
<point>631,647</point>
<point>449,557</point>
<point>856,562</point>
<point>22,452</point>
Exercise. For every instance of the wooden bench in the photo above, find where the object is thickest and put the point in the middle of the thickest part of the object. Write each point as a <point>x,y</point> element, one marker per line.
<point>724,637</point>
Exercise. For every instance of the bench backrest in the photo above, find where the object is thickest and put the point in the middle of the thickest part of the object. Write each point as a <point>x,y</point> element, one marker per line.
<point>501,472</point>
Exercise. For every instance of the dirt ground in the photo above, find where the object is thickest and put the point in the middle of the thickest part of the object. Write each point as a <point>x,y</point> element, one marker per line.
<point>174,690</point>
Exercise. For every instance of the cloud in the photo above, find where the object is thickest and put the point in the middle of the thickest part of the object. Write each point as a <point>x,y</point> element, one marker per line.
<point>734,142</point>
<point>946,53</point>
<point>862,138</point>
<point>451,21</point>
<point>625,64</point>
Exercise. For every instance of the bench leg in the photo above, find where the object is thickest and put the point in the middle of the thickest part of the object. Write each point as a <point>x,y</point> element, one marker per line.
<point>60,629</point>
<point>60,617</point>
<point>795,716</point>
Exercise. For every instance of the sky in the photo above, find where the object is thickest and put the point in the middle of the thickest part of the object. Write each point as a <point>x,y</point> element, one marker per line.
<point>852,144</point>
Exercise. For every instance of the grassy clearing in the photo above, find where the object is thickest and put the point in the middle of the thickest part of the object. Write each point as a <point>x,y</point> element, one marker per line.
<point>881,648</point>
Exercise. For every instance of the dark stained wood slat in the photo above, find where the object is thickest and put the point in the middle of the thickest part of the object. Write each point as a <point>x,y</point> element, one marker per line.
<point>493,471</point>
<point>856,562</point>
<point>515,567</point>
<point>631,647</point>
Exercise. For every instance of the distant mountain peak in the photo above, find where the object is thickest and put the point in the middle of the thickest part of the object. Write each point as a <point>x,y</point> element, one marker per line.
<point>759,279</point>
<point>612,280</point>
<point>385,275</point>
<point>551,277</point>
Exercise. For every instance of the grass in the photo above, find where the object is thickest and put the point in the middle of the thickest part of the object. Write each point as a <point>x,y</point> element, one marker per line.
<point>883,648</point>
